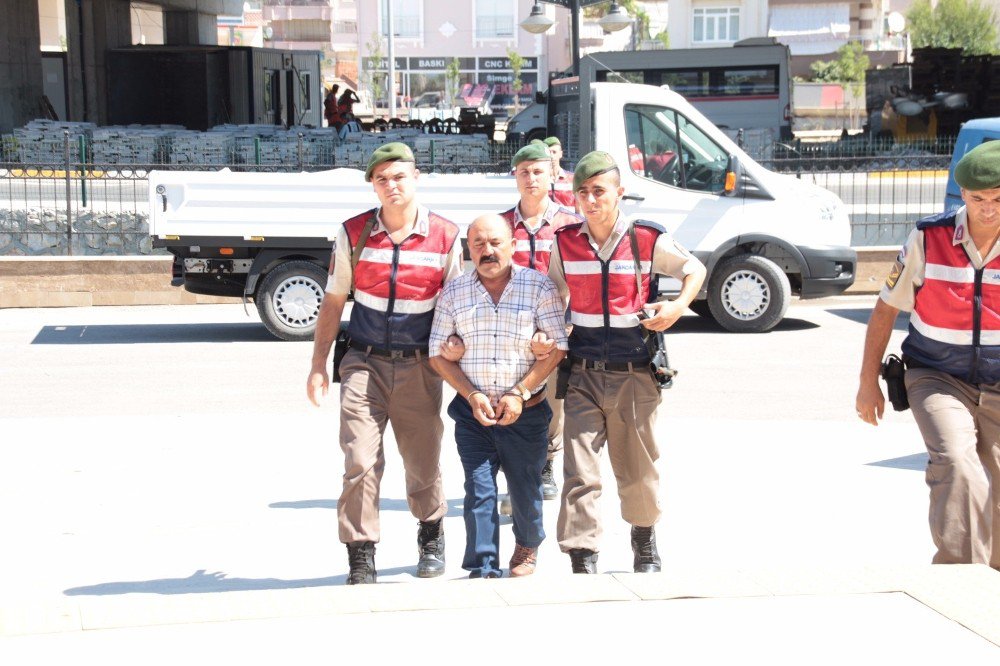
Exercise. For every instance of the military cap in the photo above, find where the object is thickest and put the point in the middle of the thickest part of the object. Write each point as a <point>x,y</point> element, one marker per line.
<point>592,164</point>
<point>553,141</point>
<point>388,152</point>
<point>530,153</point>
<point>980,168</point>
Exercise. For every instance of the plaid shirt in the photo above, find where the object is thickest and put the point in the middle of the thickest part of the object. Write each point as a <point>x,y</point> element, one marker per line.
<point>497,336</point>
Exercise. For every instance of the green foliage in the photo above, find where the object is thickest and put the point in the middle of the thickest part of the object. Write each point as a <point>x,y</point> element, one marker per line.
<point>516,65</point>
<point>958,24</point>
<point>376,80</point>
<point>664,38</point>
<point>451,77</point>
<point>849,67</point>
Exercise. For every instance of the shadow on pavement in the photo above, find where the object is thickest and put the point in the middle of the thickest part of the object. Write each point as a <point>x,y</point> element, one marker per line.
<point>696,324</point>
<point>917,462</point>
<point>861,315</point>
<point>127,334</point>
<point>202,581</point>
<point>384,504</point>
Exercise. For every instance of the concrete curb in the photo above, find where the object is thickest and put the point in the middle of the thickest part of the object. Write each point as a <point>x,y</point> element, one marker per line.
<point>962,593</point>
<point>40,282</point>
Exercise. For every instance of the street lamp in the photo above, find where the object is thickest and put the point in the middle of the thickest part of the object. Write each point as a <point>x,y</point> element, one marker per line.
<point>537,22</point>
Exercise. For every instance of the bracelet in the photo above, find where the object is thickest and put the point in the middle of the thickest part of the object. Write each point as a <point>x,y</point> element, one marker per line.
<point>468,398</point>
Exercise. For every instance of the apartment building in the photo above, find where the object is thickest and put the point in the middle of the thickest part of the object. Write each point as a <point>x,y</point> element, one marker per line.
<point>428,35</point>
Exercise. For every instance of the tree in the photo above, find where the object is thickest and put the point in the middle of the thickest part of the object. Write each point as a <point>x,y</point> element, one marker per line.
<point>957,24</point>
<point>848,69</point>
<point>451,78</point>
<point>516,64</point>
<point>376,79</point>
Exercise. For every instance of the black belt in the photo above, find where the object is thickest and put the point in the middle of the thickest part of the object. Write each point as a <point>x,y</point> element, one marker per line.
<point>605,366</point>
<point>369,350</point>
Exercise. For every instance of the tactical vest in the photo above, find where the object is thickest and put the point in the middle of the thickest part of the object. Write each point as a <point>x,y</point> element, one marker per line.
<point>397,286</point>
<point>955,323</point>
<point>532,250</point>
<point>603,296</point>
<point>562,191</point>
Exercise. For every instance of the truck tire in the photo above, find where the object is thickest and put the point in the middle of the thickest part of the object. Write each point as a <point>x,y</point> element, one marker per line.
<point>748,293</point>
<point>289,297</point>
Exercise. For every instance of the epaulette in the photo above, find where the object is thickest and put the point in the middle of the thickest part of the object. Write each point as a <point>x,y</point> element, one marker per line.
<point>651,225</point>
<point>946,219</point>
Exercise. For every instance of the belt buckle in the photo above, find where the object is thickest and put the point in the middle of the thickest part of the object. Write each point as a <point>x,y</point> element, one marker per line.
<point>395,354</point>
<point>600,365</point>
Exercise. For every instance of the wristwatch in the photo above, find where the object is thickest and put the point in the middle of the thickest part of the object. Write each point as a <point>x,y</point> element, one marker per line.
<point>521,391</point>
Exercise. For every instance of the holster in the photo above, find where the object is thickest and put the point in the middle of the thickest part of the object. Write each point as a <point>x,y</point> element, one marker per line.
<point>893,370</point>
<point>340,347</point>
<point>562,377</point>
<point>659,362</point>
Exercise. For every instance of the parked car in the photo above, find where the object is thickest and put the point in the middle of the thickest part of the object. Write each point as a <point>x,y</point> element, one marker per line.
<point>971,135</point>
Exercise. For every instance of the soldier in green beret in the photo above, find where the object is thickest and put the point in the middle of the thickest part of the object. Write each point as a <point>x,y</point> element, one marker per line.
<point>947,276</point>
<point>562,182</point>
<point>606,267</point>
<point>396,259</point>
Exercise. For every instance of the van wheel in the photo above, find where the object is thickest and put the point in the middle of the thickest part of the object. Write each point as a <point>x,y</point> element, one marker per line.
<point>288,299</point>
<point>748,293</point>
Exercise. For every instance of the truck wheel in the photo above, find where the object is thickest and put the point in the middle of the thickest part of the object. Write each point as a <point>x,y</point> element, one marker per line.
<point>748,293</point>
<point>288,299</point>
<point>535,134</point>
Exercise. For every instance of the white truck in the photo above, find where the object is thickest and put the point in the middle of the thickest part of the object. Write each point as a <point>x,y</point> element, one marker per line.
<point>763,236</point>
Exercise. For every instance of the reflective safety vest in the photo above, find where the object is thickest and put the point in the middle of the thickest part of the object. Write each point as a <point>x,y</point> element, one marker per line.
<point>397,286</point>
<point>955,323</point>
<point>603,298</point>
<point>562,191</point>
<point>533,249</point>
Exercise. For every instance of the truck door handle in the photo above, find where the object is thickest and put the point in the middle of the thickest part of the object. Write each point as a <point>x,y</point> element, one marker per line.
<point>634,197</point>
<point>162,191</point>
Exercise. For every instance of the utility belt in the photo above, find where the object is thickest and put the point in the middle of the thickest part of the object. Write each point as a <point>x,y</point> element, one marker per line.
<point>344,342</point>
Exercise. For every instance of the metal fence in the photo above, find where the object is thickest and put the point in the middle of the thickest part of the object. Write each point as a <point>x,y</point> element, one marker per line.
<point>76,205</point>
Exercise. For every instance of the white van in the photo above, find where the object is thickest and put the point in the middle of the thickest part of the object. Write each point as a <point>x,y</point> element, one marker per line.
<point>763,236</point>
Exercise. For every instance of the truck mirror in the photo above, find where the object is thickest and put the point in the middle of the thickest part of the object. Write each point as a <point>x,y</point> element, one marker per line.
<point>732,176</point>
<point>539,97</point>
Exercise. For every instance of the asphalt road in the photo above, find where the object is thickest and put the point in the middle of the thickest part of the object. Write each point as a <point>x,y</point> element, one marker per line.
<point>163,360</point>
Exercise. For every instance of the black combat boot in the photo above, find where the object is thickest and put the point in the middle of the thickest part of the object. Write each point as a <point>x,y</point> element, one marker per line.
<point>549,488</point>
<point>361,557</point>
<point>584,561</point>
<point>647,560</point>
<point>430,546</point>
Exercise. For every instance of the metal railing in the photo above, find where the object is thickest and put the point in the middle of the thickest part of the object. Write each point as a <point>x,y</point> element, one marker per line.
<point>79,206</point>
<point>76,205</point>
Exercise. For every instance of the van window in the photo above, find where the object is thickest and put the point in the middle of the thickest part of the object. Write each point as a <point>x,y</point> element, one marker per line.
<point>667,147</point>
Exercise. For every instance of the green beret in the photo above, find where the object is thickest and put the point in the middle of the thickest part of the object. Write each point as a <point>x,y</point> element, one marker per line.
<point>980,168</point>
<point>592,164</point>
<point>388,152</point>
<point>530,153</point>
<point>553,141</point>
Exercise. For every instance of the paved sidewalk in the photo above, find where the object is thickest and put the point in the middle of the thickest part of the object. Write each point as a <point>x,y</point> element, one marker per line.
<point>198,523</point>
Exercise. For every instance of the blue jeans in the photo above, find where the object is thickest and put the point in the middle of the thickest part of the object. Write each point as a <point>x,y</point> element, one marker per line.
<point>520,449</point>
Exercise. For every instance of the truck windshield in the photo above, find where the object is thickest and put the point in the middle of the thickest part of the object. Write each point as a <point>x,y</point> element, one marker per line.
<point>667,147</point>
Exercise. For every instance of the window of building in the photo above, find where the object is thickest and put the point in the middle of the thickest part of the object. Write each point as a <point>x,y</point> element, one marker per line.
<point>495,19</point>
<point>406,18</point>
<point>716,24</point>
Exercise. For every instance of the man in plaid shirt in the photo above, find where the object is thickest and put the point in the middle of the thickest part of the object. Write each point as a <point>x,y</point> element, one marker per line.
<point>501,416</point>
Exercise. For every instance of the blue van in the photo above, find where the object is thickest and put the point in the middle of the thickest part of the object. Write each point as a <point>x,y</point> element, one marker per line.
<point>971,135</point>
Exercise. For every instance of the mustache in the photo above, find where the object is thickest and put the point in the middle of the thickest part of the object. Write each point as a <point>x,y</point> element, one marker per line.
<point>489,260</point>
